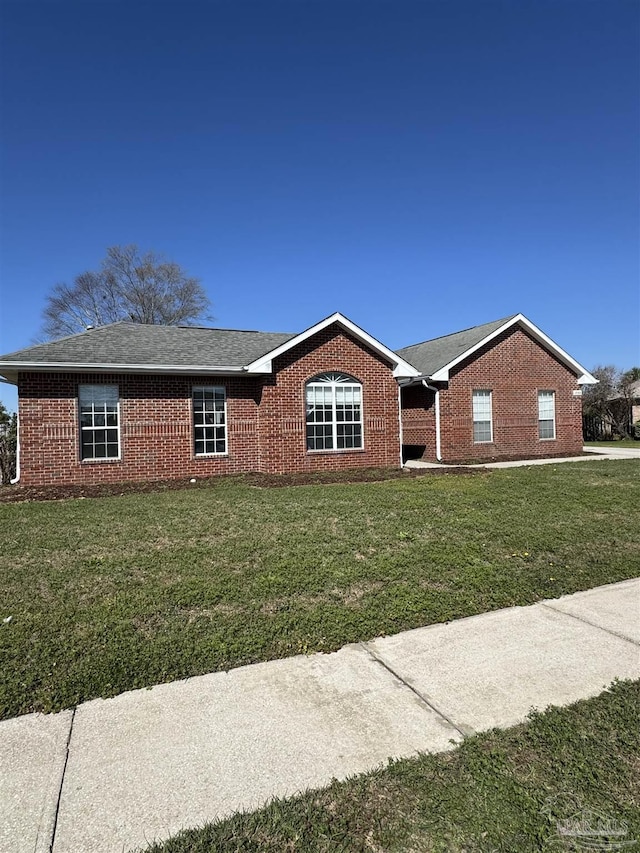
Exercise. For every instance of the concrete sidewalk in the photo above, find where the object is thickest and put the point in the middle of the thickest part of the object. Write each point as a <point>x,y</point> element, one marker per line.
<point>612,453</point>
<point>116,774</point>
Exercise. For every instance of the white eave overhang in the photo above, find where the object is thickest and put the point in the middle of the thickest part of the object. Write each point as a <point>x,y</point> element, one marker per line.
<point>10,369</point>
<point>401,368</point>
<point>584,377</point>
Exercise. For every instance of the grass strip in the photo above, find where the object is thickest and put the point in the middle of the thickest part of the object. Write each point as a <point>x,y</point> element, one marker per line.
<point>565,769</point>
<point>629,443</point>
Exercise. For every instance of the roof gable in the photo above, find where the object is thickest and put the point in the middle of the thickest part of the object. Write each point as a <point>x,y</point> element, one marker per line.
<point>433,355</point>
<point>400,366</point>
<point>436,358</point>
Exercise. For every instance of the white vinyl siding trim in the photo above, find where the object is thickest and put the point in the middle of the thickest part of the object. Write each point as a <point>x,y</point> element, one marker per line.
<point>482,417</point>
<point>334,413</point>
<point>546,415</point>
<point>99,412</point>
<point>209,421</point>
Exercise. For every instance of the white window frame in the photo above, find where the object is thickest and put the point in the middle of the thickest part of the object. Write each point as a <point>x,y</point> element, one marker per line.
<point>331,382</point>
<point>546,394</point>
<point>204,425</point>
<point>477,395</point>
<point>91,392</point>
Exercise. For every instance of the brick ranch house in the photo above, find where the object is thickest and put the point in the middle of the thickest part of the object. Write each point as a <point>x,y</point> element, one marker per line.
<point>129,402</point>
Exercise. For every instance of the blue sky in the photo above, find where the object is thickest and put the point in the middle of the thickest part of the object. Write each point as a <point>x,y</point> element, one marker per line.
<point>420,166</point>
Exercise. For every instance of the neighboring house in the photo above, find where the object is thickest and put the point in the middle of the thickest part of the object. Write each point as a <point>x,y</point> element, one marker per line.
<point>615,417</point>
<point>629,405</point>
<point>635,402</point>
<point>127,401</point>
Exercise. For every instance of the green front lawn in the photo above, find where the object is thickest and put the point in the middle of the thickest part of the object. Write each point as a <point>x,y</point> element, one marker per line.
<point>500,792</point>
<point>108,594</point>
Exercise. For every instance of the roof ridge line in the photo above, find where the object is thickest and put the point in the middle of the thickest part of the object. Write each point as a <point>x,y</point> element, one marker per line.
<point>74,335</point>
<point>460,331</point>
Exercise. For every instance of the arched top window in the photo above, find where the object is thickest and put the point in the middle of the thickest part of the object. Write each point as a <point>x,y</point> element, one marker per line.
<point>334,412</point>
<point>332,376</point>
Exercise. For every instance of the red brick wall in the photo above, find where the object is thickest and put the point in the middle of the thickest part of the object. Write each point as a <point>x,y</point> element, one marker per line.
<point>514,367</point>
<point>156,429</point>
<point>282,411</point>
<point>265,416</point>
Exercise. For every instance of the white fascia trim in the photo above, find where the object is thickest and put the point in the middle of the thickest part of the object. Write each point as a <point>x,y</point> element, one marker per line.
<point>74,367</point>
<point>264,364</point>
<point>584,377</point>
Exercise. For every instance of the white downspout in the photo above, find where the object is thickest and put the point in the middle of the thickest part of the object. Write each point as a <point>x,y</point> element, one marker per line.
<point>16,479</point>
<point>437,407</point>
<point>400,422</point>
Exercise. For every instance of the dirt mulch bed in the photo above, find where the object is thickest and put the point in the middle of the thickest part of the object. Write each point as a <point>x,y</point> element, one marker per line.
<point>18,493</point>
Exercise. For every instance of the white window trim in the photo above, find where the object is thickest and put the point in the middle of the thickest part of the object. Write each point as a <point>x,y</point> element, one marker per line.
<point>225,452</point>
<point>334,423</point>
<point>553,419</point>
<point>99,459</point>
<point>478,421</point>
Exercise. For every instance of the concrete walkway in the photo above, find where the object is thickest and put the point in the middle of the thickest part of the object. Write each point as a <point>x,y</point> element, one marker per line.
<point>598,453</point>
<point>116,774</point>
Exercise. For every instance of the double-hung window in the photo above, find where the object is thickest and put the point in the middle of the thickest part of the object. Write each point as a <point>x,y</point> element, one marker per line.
<point>546,414</point>
<point>99,422</point>
<point>209,421</point>
<point>334,412</point>
<point>482,419</point>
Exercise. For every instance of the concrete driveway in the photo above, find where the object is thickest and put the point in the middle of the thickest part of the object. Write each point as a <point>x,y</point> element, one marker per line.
<point>615,452</point>
<point>116,774</point>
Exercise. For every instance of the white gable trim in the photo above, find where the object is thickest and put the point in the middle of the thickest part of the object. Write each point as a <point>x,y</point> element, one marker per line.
<point>584,377</point>
<point>264,364</point>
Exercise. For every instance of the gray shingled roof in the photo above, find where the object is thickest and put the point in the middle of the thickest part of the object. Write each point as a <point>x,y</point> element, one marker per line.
<point>136,344</point>
<point>430,356</point>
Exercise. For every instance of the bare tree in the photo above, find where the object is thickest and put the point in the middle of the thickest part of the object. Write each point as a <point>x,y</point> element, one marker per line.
<point>130,285</point>
<point>612,398</point>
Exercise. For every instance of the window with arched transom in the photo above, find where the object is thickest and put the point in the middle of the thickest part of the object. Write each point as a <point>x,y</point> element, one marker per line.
<point>334,412</point>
